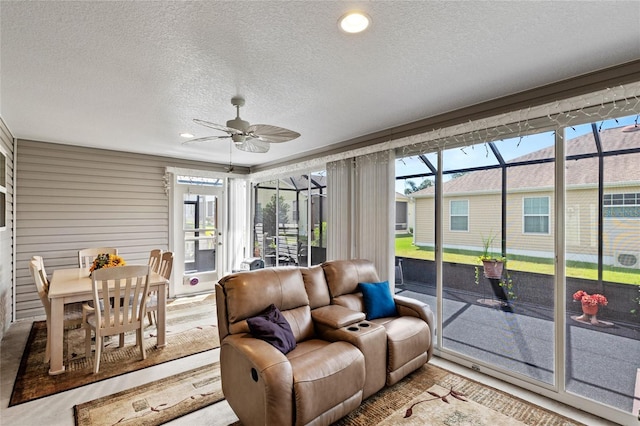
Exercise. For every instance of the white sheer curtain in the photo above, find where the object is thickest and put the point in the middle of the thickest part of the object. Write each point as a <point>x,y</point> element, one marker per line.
<point>361,214</point>
<point>237,243</point>
<point>339,205</point>
<point>375,211</point>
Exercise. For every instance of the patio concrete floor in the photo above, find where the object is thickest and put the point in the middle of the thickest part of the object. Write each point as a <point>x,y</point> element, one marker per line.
<point>602,363</point>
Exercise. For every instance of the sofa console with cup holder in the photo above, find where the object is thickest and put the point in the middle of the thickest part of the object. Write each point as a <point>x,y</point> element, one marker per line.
<point>305,346</point>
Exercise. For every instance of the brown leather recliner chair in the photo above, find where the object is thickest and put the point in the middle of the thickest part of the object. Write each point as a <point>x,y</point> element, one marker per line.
<point>409,334</point>
<point>316,383</point>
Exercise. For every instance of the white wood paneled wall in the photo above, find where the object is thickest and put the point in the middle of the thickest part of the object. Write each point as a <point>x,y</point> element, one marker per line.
<point>69,198</point>
<point>6,235</point>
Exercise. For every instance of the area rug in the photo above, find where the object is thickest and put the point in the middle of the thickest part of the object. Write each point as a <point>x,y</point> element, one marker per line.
<point>191,328</point>
<point>155,403</point>
<point>434,396</point>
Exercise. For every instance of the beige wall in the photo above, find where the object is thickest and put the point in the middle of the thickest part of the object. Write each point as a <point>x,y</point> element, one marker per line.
<point>424,222</point>
<point>6,235</point>
<point>69,198</point>
<point>620,235</point>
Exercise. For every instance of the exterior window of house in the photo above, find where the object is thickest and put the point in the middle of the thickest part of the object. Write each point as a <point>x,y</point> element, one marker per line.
<point>536,215</point>
<point>3,191</point>
<point>622,205</point>
<point>459,216</point>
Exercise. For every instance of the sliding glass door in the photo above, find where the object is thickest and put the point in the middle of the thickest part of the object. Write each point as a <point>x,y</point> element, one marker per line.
<point>498,247</point>
<point>562,315</point>
<point>603,262</point>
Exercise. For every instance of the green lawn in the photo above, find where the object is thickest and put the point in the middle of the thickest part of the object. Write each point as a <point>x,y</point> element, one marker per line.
<point>405,248</point>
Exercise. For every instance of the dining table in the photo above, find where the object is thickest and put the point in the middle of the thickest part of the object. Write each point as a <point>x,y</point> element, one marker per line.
<point>75,285</point>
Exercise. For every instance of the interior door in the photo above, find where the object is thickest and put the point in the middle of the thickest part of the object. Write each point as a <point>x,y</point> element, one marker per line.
<point>197,223</point>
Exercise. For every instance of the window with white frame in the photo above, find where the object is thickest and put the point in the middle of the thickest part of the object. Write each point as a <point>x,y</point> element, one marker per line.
<point>621,205</point>
<point>536,215</point>
<point>459,215</point>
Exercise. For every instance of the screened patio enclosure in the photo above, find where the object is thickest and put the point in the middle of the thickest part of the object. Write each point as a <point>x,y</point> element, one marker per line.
<point>561,205</point>
<point>290,220</point>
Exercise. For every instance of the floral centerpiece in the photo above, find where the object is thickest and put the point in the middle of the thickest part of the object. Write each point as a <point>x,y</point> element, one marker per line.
<point>106,260</point>
<point>590,303</point>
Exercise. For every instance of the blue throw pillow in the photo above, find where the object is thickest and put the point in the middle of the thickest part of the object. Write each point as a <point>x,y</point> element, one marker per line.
<point>272,327</point>
<point>378,301</point>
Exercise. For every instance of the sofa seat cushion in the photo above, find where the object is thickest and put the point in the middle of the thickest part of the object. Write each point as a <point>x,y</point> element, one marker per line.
<point>325,375</point>
<point>407,339</point>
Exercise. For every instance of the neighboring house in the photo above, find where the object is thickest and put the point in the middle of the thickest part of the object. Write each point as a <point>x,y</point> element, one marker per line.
<point>404,214</point>
<point>471,207</point>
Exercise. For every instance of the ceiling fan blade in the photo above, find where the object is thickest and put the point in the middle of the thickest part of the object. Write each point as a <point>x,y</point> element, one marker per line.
<point>268,133</point>
<point>253,145</point>
<point>229,130</point>
<point>205,139</point>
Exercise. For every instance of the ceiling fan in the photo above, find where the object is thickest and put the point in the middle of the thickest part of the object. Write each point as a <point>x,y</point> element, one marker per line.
<point>245,136</point>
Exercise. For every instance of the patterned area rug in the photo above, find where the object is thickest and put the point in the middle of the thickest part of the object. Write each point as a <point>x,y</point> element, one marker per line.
<point>190,329</point>
<point>155,403</point>
<point>434,396</point>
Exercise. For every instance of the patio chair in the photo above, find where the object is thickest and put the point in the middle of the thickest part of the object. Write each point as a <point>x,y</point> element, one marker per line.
<point>128,293</point>
<point>86,256</point>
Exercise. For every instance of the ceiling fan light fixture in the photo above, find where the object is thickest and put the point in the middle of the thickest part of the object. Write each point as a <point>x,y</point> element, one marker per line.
<point>354,22</point>
<point>238,139</point>
<point>186,135</point>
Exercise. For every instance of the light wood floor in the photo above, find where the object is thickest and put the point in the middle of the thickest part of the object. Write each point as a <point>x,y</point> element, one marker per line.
<point>58,409</point>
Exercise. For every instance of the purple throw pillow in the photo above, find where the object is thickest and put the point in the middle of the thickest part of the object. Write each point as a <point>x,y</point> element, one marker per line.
<point>272,327</point>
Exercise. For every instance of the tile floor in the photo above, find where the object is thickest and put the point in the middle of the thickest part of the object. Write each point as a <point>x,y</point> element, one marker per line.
<point>58,409</point>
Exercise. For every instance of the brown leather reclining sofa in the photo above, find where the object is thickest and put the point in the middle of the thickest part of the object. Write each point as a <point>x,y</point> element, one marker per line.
<point>339,359</point>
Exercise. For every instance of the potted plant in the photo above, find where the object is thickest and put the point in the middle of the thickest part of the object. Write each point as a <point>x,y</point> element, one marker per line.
<point>590,304</point>
<point>494,268</point>
<point>493,265</point>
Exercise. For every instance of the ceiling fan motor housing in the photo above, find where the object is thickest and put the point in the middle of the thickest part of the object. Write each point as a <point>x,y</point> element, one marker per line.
<point>239,124</point>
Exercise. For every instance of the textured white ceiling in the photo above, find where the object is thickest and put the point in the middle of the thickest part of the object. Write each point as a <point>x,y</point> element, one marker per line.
<point>132,75</point>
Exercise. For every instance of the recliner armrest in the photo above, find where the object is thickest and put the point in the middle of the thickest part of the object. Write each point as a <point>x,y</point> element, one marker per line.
<point>259,352</point>
<point>257,380</point>
<point>336,316</point>
<point>415,308</point>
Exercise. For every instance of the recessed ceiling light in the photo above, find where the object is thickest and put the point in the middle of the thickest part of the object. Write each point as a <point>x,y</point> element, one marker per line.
<point>186,135</point>
<point>354,22</point>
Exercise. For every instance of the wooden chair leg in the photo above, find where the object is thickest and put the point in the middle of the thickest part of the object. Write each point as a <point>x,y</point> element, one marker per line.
<point>150,318</point>
<point>121,340</point>
<point>96,362</point>
<point>47,351</point>
<point>141,343</point>
<point>87,341</point>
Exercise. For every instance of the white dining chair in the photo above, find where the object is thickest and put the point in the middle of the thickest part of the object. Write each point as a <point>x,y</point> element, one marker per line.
<point>120,293</point>
<point>72,311</point>
<point>88,255</point>
<point>154,259</point>
<point>165,268</point>
<point>40,262</point>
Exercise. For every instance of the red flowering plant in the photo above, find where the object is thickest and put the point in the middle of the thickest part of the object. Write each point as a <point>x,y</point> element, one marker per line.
<point>590,299</point>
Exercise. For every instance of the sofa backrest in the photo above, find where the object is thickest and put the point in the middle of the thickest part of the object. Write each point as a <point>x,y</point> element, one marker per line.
<point>343,277</point>
<point>245,294</point>
<point>316,286</point>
